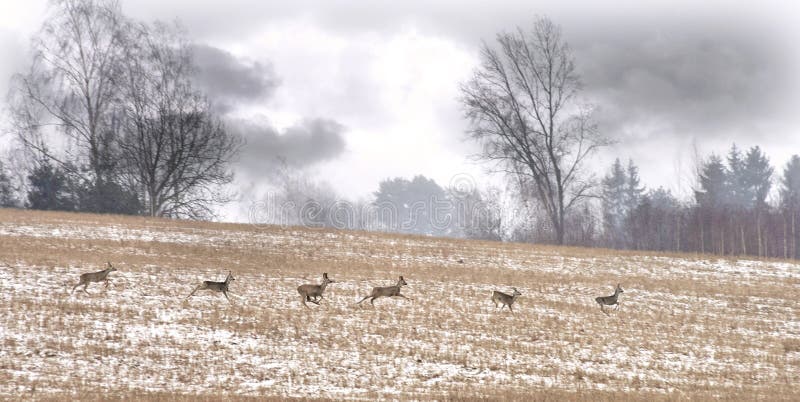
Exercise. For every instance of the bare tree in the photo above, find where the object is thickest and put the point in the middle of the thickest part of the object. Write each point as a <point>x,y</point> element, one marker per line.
<point>523,108</point>
<point>70,84</point>
<point>176,151</point>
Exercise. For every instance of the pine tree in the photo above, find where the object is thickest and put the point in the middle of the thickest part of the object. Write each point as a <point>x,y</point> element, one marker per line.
<point>614,205</point>
<point>7,197</point>
<point>633,190</point>
<point>739,193</point>
<point>714,189</point>
<point>757,177</point>
<point>712,199</point>
<point>757,180</point>
<point>49,189</point>
<point>790,184</point>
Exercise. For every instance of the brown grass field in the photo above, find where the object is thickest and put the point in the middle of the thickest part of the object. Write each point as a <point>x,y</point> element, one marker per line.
<point>689,327</point>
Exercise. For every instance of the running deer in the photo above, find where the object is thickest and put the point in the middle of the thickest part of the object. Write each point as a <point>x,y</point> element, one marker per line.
<point>609,300</point>
<point>505,299</point>
<point>315,291</point>
<point>388,291</point>
<point>98,276</point>
<point>216,286</point>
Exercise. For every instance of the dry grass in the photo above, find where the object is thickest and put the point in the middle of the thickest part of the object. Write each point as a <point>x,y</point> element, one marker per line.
<point>689,328</point>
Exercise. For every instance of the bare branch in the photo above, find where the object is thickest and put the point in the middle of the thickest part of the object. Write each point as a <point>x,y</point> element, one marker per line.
<point>522,108</point>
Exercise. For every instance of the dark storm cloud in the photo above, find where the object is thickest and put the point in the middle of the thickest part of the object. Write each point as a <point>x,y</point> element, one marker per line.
<point>691,69</point>
<point>707,83</point>
<point>306,143</point>
<point>229,80</point>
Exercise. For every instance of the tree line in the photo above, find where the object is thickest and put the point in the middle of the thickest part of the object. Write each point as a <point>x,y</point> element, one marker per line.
<point>523,107</point>
<point>111,122</point>
<point>417,205</point>
<point>739,206</point>
<point>735,209</point>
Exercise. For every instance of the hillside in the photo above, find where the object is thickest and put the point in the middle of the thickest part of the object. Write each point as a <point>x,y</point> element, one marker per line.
<point>689,327</point>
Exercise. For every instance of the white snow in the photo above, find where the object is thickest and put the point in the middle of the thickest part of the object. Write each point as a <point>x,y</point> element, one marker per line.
<point>140,334</point>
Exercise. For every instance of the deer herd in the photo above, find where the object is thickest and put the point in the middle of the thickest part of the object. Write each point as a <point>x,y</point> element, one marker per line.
<point>313,293</point>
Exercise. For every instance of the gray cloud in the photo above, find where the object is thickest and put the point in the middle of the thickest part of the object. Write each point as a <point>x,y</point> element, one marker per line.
<point>692,69</point>
<point>662,72</point>
<point>711,83</point>
<point>229,80</point>
<point>15,57</point>
<point>308,142</point>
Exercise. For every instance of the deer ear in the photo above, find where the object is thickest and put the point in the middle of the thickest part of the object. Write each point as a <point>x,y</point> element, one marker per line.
<point>401,277</point>
<point>324,274</point>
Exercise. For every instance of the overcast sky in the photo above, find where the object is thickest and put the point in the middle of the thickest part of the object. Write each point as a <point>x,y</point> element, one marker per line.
<point>358,91</point>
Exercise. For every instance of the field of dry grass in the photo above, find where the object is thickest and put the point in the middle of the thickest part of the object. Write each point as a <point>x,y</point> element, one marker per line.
<point>689,328</point>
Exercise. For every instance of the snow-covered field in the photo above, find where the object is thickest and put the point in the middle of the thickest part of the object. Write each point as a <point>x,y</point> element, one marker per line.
<point>688,327</point>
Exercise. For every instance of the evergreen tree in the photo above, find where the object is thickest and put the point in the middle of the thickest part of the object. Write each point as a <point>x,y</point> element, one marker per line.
<point>712,200</point>
<point>614,205</point>
<point>50,188</point>
<point>739,192</point>
<point>663,199</point>
<point>757,180</point>
<point>105,196</point>
<point>790,185</point>
<point>7,197</point>
<point>633,190</point>
<point>757,177</point>
<point>665,224</point>
<point>416,206</point>
<point>714,189</point>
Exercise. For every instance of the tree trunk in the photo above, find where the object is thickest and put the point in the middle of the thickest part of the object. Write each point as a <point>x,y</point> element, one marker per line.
<point>758,231</point>
<point>702,239</point>
<point>785,241</point>
<point>560,220</point>
<point>744,244</point>
<point>794,238</point>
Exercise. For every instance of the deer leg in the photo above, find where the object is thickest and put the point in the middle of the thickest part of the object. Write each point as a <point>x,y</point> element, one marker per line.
<point>226,296</point>
<point>400,295</point>
<point>372,301</point>
<point>85,285</point>
<point>106,283</point>
<point>195,290</point>
<point>365,298</point>
<point>509,307</point>
<point>73,288</point>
